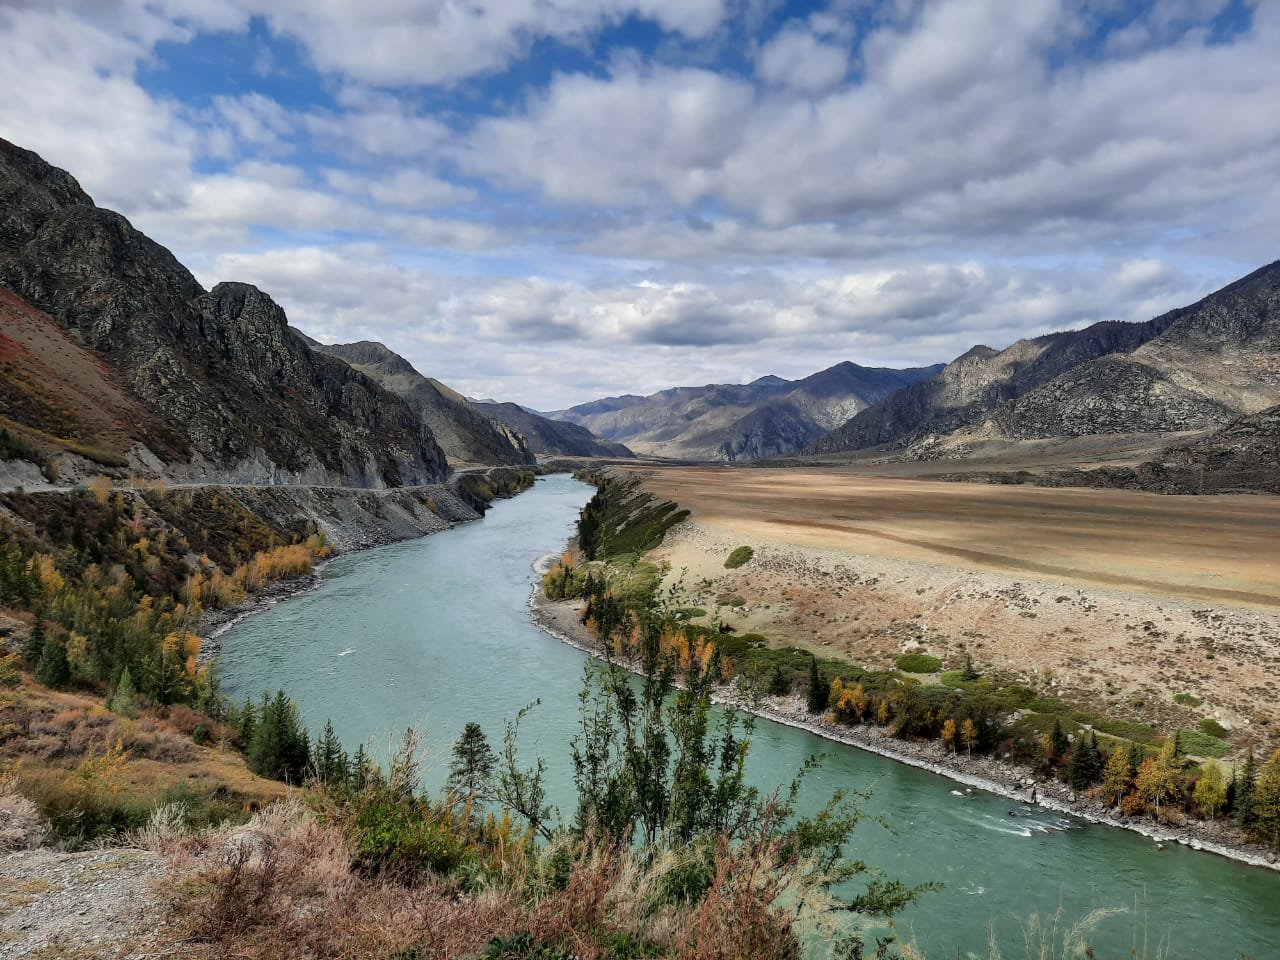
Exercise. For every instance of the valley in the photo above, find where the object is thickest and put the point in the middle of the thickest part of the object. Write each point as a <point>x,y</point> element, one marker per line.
<point>1114,599</point>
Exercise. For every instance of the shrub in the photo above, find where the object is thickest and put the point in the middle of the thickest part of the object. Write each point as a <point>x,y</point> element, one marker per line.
<point>1201,744</point>
<point>740,556</point>
<point>1187,699</point>
<point>1214,729</point>
<point>918,663</point>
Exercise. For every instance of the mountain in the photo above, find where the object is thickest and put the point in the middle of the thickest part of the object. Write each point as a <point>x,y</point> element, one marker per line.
<point>768,417</point>
<point>547,437</point>
<point>202,384</point>
<point>1195,368</point>
<point>466,435</point>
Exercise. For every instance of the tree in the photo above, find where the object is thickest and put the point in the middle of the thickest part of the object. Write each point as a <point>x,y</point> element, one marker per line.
<point>1117,776</point>
<point>1245,785</point>
<point>1266,803</point>
<point>1159,778</point>
<point>471,773</point>
<point>53,670</point>
<point>34,646</point>
<point>969,735</point>
<point>362,771</point>
<point>1086,763</point>
<point>968,672</point>
<point>1211,790</point>
<point>949,734</point>
<point>280,747</point>
<point>819,689</point>
<point>330,758</point>
<point>125,700</point>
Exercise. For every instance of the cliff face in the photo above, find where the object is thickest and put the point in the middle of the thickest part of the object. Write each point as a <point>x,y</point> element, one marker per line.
<point>466,435</point>
<point>220,370</point>
<point>1190,369</point>
<point>765,418</point>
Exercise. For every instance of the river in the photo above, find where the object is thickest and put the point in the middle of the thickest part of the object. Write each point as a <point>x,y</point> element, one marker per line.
<point>436,632</point>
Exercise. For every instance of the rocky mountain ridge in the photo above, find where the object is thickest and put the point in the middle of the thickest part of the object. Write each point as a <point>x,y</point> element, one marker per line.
<point>234,395</point>
<point>466,435</point>
<point>732,422</point>
<point>1195,368</point>
<point>551,438</point>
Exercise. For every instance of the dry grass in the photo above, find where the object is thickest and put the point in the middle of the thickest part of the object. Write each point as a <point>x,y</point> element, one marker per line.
<point>286,884</point>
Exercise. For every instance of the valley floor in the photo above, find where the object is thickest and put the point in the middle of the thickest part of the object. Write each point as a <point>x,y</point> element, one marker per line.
<point>1116,599</point>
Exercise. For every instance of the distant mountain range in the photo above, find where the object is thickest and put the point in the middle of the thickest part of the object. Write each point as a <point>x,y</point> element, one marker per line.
<point>549,437</point>
<point>1193,369</point>
<point>768,417</point>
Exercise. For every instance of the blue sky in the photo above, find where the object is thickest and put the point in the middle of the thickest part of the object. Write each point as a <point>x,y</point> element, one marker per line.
<point>552,200</point>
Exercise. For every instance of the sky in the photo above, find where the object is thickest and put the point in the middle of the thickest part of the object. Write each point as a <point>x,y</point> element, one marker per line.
<point>549,201</point>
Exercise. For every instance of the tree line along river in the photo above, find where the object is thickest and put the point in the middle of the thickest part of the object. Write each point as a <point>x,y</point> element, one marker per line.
<point>436,632</point>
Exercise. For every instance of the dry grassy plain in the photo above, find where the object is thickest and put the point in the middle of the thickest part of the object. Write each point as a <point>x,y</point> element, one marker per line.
<point>1109,597</point>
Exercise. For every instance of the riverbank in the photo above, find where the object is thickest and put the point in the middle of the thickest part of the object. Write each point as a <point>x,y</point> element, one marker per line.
<point>353,521</point>
<point>1015,782</point>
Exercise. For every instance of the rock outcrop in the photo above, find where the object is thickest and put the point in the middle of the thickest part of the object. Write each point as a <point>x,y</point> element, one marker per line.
<point>220,370</point>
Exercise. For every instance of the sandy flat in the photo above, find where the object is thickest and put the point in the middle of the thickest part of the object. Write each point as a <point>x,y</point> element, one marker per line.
<point>1124,598</point>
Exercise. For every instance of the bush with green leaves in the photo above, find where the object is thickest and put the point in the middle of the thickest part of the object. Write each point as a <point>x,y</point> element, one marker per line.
<point>918,663</point>
<point>739,557</point>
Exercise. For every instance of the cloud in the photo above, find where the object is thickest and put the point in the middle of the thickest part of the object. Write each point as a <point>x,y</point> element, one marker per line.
<point>798,60</point>
<point>391,42</point>
<point>884,182</point>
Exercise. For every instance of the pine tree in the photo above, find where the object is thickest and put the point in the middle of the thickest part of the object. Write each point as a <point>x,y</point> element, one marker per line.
<point>968,672</point>
<point>34,646</point>
<point>1245,786</point>
<point>819,689</point>
<point>247,723</point>
<point>279,748</point>
<point>1086,763</point>
<point>125,700</point>
<point>471,773</point>
<point>362,772</point>
<point>53,670</point>
<point>331,760</point>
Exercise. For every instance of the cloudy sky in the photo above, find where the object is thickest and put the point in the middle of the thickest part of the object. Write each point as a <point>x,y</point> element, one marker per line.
<point>552,200</point>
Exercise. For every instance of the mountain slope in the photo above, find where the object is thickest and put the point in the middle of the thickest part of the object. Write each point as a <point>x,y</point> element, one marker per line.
<point>466,435</point>
<point>767,417</point>
<point>1194,368</point>
<point>547,437</point>
<point>242,398</point>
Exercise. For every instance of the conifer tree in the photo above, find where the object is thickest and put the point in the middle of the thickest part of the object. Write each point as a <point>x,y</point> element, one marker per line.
<point>1245,786</point>
<point>53,670</point>
<point>361,772</point>
<point>125,700</point>
<point>1086,763</point>
<point>247,723</point>
<point>34,646</point>
<point>471,772</point>
<point>280,746</point>
<point>1265,802</point>
<point>819,689</point>
<point>330,759</point>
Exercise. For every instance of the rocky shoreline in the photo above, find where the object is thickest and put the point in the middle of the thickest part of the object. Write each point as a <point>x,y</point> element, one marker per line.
<point>1012,781</point>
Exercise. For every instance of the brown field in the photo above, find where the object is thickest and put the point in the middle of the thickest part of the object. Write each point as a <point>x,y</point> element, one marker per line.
<point>1124,596</point>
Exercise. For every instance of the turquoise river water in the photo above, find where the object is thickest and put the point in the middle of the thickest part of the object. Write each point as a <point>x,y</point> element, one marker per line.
<point>436,632</point>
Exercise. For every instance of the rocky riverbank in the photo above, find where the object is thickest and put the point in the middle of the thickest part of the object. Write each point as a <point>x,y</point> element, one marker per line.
<point>1016,782</point>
